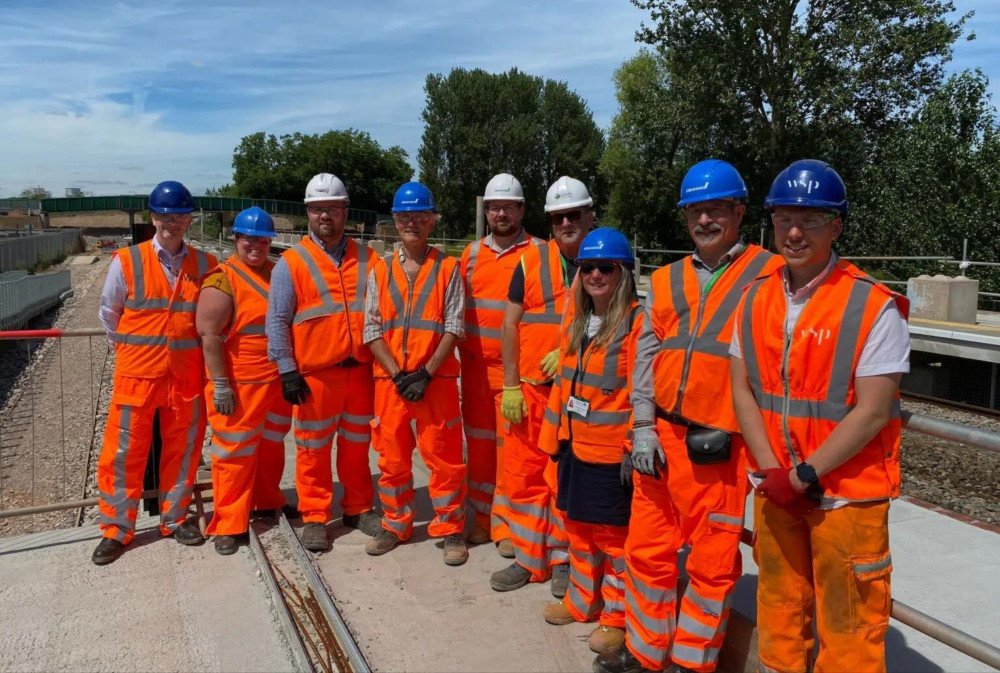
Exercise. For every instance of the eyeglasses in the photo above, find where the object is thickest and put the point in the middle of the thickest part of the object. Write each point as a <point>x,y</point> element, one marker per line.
<point>605,268</point>
<point>574,216</point>
<point>172,218</point>
<point>329,210</point>
<point>496,210</point>
<point>419,217</point>
<point>254,240</point>
<point>714,212</point>
<point>803,222</point>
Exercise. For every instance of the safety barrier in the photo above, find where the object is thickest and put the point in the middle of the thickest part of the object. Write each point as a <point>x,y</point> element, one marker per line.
<point>23,296</point>
<point>25,252</point>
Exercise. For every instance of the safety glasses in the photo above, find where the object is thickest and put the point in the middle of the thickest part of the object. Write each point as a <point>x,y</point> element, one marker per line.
<point>803,222</point>
<point>496,210</point>
<point>329,210</point>
<point>172,218</point>
<point>420,217</point>
<point>605,268</point>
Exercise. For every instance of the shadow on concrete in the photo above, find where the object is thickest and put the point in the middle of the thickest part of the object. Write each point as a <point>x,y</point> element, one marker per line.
<point>900,658</point>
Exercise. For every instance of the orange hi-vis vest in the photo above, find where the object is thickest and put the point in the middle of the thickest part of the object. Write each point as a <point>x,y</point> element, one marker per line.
<point>599,376</point>
<point>804,383</point>
<point>545,295</point>
<point>487,280</point>
<point>330,304</point>
<point>156,333</point>
<point>413,316</point>
<point>694,326</point>
<point>245,344</point>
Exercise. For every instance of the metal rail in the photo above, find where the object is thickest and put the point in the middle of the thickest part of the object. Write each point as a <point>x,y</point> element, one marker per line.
<point>949,430</point>
<point>88,502</point>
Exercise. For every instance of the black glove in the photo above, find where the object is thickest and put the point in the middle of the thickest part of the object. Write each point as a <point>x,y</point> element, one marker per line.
<point>398,379</point>
<point>293,387</point>
<point>413,385</point>
<point>626,471</point>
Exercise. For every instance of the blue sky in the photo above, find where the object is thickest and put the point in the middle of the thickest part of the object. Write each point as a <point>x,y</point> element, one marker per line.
<point>113,97</point>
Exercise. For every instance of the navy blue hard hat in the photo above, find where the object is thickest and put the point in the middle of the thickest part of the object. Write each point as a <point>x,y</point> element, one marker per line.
<point>809,183</point>
<point>170,197</point>
<point>254,221</point>
<point>605,243</point>
<point>711,179</point>
<point>413,197</point>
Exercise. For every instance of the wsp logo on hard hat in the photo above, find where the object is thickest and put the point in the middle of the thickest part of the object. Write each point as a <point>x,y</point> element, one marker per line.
<point>808,184</point>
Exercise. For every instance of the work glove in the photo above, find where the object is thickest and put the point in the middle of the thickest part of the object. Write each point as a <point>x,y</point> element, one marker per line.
<point>223,397</point>
<point>294,387</point>
<point>550,363</point>
<point>413,385</point>
<point>398,379</point>
<point>777,486</point>
<point>647,452</point>
<point>626,470</point>
<point>512,404</point>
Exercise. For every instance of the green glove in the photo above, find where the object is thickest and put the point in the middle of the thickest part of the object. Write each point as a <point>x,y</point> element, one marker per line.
<point>512,404</point>
<point>550,363</point>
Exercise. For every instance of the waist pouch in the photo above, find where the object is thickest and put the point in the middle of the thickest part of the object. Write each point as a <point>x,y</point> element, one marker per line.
<point>706,446</point>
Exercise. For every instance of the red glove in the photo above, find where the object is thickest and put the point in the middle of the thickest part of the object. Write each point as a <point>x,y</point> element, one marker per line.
<point>778,488</point>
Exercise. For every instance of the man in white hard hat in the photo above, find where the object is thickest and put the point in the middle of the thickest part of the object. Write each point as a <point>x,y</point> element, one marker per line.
<point>315,317</point>
<point>487,266</point>
<point>536,300</point>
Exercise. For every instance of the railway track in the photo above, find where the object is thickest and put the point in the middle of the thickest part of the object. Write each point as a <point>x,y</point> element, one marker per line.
<point>948,404</point>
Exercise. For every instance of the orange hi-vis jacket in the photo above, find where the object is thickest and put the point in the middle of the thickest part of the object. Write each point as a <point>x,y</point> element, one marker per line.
<point>545,294</point>
<point>694,326</point>
<point>330,304</point>
<point>413,318</point>
<point>601,377</point>
<point>245,344</point>
<point>487,279</point>
<point>157,333</point>
<point>804,384</point>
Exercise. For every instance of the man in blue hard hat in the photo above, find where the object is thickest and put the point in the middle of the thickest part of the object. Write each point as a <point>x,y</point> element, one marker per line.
<point>148,310</point>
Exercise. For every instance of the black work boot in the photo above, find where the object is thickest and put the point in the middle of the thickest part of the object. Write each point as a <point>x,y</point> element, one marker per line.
<point>369,523</point>
<point>188,534</point>
<point>560,580</point>
<point>382,543</point>
<point>107,552</point>
<point>314,537</point>
<point>225,544</point>
<point>618,660</point>
<point>512,577</point>
<point>677,668</point>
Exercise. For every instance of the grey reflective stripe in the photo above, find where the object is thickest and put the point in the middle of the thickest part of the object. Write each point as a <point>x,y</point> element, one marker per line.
<point>358,303</point>
<point>574,597</point>
<point>147,304</point>
<point>485,304</point>
<point>139,300</point>
<point>679,299</point>
<point>426,325</point>
<point>847,342</point>
<point>356,437</point>
<point>278,419</point>
<point>395,492</point>
<point>711,606</point>
<point>764,668</point>
<point>529,536</point>
<point>471,267</point>
<point>618,563</point>
<point>542,318</point>
<point>250,281</point>
<point>536,512</point>
<point>453,422</point>
<point>273,435</point>
<point>253,329</point>
<point>483,487</point>
<point>119,498</point>
<point>601,417</point>
<point>690,625</point>
<point>314,444</point>
<point>317,425</point>
<point>327,305</point>
<point>865,568</point>
<point>694,655</point>
<point>747,348</point>
<point>480,433</point>
<point>545,277</point>
<point>417,309</point>
<point>652,595</point>
<point>471,329</point>
<point>223,453</point>
<point>201,259</point>
<point>181,490</point>
<point>602,381</point>
<point>661,627</point>
<point>592,560</point>
<point>139,339</point>
<point>522,558</point>
<point>708,341</point>
<point>398,526</point>
<point>356,419</point>
<point>719,517</point>
<point>183,307</point>
<point>183,344</point>
<point>551,416</point>
<point>480,507</point>
<point>237,437</point>
<point>613,581</point>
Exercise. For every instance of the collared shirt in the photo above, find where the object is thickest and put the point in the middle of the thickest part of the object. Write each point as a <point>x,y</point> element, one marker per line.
<point>454,303</point>
<point>704,271</point>
<point>115,290</point>
<point>282,305</point>
<point>522,238</point>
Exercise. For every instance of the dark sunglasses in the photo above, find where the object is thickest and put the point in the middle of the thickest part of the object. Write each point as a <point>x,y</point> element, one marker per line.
<point>606,269</point>
<point>574,216</point>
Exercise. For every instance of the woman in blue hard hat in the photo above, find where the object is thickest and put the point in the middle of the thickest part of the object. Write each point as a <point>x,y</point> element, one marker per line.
<point>586,429</point>
<point>248,415</point>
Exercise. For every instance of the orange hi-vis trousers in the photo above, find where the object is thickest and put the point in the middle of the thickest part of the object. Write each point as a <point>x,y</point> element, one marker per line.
<point>248,454</point>
<point>439,439</point>
<point>339,403</point>
<point>482,382</point>
<point>597,573</point>
<point>128,437</point>
<point>536,526</point>
<point>835,562</point>
<point>699,505</point>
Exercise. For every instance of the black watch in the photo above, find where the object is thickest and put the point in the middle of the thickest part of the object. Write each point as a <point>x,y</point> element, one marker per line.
<point>806,473</point>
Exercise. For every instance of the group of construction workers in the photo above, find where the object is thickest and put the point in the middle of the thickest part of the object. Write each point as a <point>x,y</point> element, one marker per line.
<point>603,433</point>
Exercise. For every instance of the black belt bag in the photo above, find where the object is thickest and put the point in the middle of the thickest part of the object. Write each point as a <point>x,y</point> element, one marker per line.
<point>707,446</point>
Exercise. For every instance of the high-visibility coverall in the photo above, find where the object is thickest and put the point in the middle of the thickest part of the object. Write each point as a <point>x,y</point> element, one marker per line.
<point>834,554</point>
<point>412,324</point>
<point>594,502</point>
<point>536,526</point>
<point>331,355</point>
<point>686,344</point>
<point>486,270</point>
<point>158,367</point>
<point>248,449</point>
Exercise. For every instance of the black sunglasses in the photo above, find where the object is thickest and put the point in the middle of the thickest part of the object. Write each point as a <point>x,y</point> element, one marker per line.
<point>605,269</point>
<point>557,218</point>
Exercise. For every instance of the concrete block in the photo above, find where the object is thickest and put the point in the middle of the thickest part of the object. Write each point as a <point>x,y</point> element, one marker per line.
<point>439,246</point>
<point>377,246</point>
<point>943,298</point>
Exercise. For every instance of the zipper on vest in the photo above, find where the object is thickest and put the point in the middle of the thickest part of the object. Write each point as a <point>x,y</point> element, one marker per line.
<point>408,309</point>
<point>347,306</point>
<point>786,398</point>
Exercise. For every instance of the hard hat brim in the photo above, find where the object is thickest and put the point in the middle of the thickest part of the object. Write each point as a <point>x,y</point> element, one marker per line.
<point>314,199</point>
<point>804,202</point>
<point>713,196</point>
<point>569,206</point>
<point>519,199</point>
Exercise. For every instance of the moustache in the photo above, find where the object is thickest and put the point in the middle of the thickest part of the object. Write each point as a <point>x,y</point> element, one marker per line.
<point>707,229</point>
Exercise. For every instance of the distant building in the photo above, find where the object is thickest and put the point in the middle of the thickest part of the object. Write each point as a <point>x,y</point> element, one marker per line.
<point>74,191</point>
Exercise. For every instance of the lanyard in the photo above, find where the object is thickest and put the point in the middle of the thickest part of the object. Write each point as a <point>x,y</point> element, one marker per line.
<point>718,272</point>
<point>565,270</point>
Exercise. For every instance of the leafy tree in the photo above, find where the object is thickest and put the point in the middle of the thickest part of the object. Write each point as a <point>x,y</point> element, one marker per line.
<point>265,166</point>
<point>228,190</point>
<point>478,124</point>
<point>35,193</point>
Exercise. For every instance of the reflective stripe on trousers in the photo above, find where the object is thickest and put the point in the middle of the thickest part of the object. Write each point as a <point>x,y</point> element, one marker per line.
<point>597,573</point>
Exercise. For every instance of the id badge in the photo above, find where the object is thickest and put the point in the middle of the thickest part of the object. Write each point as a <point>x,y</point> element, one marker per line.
<point>577,406</point>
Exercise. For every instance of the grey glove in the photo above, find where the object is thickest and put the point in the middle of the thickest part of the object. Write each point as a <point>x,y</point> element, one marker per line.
<point>647,452</point>
<point>626,472</point>
<point>413,385</point>
<point>223,397</point>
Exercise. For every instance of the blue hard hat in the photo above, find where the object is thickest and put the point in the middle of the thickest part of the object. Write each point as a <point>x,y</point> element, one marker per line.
<point>809,183</point>
<point>711,179</point>
<point>254,221</point>
<point>412,197</point>
<point>608,244</point>
<point>170,197</point>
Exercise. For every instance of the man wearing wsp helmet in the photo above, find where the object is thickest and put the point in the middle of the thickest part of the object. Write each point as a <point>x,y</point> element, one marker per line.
<point>691,481</point>
<point>148,311</point>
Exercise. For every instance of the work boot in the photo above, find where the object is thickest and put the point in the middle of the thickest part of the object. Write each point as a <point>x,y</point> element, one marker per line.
<point>369,523</point>
<point>557,614</point>
<point>677,668</point>
<point>560,580</point>
<point>225,544</point>
<point>618,660</point>
<point>188,534</point>
<point>512,577</point>
<point>314,537</point>
<point>479,535</point>
<point>605,638</point>
<point>506,548</point>
<point>107,552</point>
<point>384,542</point>
<point>455,551</point>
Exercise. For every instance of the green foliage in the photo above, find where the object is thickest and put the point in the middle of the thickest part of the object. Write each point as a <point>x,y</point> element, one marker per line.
<point>478,124</point>
<point>34,193</point>
<point>229,191</point>
<point>279,168</point>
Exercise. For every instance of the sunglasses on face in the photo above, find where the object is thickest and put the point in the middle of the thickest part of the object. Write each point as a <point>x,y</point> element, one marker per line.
<point>605,268</point>
<point>574,217</point>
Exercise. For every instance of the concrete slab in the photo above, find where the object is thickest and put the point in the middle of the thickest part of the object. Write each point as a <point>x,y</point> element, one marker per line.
<point>82,260</point>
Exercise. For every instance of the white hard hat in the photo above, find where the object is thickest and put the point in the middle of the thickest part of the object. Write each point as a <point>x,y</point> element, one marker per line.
<point>565,193</point>
<point>503,187</point>
<point>325,187</point>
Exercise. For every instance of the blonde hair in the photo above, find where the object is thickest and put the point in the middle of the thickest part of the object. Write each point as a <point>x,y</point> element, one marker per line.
<point>618,311</point>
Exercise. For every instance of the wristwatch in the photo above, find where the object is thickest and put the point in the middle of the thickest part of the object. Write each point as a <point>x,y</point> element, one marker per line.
<point>806,473</point>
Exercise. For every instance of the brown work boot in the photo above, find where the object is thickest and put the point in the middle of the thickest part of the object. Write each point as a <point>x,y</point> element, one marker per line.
<point>512,577</point>
<point>384,542</point>
<point>314,537</point>
<point>557,614</point>
<point>478,535</point>
<point>455,551</point>
<point>505,548</point>
<point>605,638</point>
<point>369,523</point>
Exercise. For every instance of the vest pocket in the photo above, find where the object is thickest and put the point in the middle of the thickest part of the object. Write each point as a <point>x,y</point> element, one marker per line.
<point>870,592</point>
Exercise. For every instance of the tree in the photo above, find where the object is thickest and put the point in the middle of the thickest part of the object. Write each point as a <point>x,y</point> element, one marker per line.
<point>478,124</point>
<point>265,166</point>
<point>35,193</point>
<point>228,190</point>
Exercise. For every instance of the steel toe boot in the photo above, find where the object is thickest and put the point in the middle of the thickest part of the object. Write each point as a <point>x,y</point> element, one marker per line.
<point>188,534</point>
<point>557,614</point>
<point>314,537</point>
<point>560,580</point>
<point>512,577</point>
<point>455,551</point>
<point>618,660</point>
<point>384,542</point>
<point>225,544</point>
<point>107,552</point>
<point>369,523</point>
<point>506,548</point>
<point>605,638</point>
<point>479,535</point>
